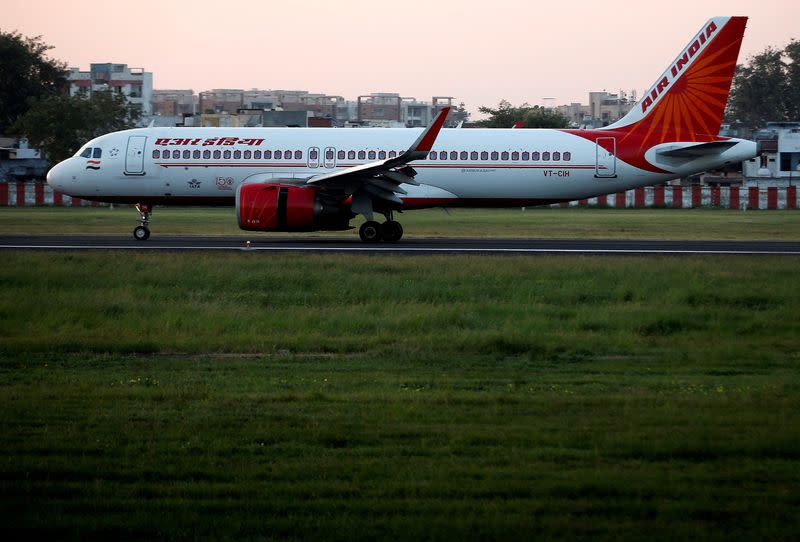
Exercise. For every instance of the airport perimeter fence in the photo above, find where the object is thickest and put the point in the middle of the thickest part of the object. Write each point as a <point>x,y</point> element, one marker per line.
<point>23,194</point>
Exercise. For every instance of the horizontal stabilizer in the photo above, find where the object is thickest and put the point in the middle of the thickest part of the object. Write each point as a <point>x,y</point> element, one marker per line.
<point>698,149</point>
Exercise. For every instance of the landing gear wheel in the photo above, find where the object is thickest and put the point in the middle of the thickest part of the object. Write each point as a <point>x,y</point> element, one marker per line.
<point>392,231</point>
<point>370,232</point>
<point>141,233</point>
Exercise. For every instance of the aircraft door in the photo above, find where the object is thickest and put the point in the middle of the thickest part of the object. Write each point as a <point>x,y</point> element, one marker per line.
<point>134,158</point>
<point>313,157</point>
<point>606,157</point>
<point>330,157</point>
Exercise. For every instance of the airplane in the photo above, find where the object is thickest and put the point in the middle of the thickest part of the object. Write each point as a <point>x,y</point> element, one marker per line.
<point>311,179</point>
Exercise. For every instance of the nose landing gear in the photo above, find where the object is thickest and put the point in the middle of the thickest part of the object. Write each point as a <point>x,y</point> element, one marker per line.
<point>142,232</point>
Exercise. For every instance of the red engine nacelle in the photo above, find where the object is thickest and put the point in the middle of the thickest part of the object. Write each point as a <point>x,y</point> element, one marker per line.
<point>280,207</point>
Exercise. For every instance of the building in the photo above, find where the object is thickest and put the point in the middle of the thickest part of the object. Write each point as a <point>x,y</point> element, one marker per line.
<point>174,102</point>
<point>221,100</point>
<point>135,83</point>
<point>603,109</point>
<point>779,162</point>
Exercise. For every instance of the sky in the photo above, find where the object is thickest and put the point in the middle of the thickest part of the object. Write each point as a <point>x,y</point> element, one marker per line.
<point>543,53</point>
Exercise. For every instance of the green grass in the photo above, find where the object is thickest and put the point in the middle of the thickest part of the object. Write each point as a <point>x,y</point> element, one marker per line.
<point>531,223</point>
<point>246,396</point>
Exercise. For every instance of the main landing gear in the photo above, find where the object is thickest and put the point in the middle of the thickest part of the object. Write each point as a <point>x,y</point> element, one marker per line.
<point>142,232</point>
<point>374,232</point>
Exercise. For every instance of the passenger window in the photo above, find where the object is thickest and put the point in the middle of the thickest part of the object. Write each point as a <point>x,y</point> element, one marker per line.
<point>176,154</point>
<point>464,155</point>
<point>247,154</point>
<point>351,155</point>
<point>226,155</point>
<point>556,155</point>
<point>473,155</point>
<point>329,154</point>
<point>381,155</point>
<point>187,154</point>
<point>371,155</point>
<point>535,155</point>
<point>546,156</point>
<point>278,155</point>
<point>237,155</point>
<point>196,154</point>
<point>484,155</point>
<point>432,155</point>
<point>526,156</point>
<point>156,153</point>
<point>392,154</point>
<point>298,155</point>
<point>217,155</point>
<point>515,155</point>
<point>206,154</point>
<point>567,156</point>
<point>453,155</point>
<point>98,152</point>
<point>362,155</point>
<point>504,155</point>
<point>267,155</point>
<point>87,153</point>
<point>257,155</point>
<point>312,154</point>
<point>495,155</point>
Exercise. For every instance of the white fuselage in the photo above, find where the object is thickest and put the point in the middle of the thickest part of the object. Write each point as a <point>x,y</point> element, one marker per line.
<point>490,167</point>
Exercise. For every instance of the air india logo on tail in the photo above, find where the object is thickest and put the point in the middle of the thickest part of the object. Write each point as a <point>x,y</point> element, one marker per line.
<point>677,68</point>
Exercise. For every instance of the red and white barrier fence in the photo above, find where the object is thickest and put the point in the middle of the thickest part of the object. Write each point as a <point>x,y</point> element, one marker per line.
<point>22,194</point>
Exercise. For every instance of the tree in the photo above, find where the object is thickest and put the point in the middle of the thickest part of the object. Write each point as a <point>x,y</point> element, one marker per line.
<point>59,125</point>
<point>25,73</point>
<point>766,88</point>
<point>457,115</point>
<point>506,115</point>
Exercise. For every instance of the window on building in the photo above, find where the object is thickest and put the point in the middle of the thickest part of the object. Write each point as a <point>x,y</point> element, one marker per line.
<point>247,155</point>
<point>381,155</point>
<point>156,153</point>
<point>278,155</point>
<point>495,155</point>
<point>226,155</point>
<point>526,156</point>
<point>556,155</point>
<point>187,154</point>
<point>546,156</point>
<point>340,155</point>
<point>362,155</point>
<point>196,154</point>
<point>217,155</point>
<point>176,154</point>
<point>567,156</point>
<point>371,155</point>
<point>473,155</point>
<point>351,155</point>
<point>515,155</point>
<point>298,155</point>
<point>98,152</point>
<point>237,155</point>
<point>484,155</point>
<point>206,154</point>
<point>87,153</point>
<point>535,156</point>
<point>504,155</point>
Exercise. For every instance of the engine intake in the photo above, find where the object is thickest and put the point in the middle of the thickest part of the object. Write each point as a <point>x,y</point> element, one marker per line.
<point>279,207</point>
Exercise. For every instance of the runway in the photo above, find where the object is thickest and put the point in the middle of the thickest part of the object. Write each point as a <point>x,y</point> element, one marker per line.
<point>412,245</point>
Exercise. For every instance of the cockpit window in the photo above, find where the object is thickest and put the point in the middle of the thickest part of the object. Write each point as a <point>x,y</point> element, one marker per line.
<point>87,153</point>
<point>98,152</point>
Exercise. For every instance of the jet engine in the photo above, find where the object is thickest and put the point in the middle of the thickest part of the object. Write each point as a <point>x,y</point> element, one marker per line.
<point>281,207</point>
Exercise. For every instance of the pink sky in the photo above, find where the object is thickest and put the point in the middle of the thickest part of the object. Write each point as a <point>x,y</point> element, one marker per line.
<point>478,52</point>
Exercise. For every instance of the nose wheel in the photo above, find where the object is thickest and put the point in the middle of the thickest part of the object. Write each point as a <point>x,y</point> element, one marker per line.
<point>142,232</point>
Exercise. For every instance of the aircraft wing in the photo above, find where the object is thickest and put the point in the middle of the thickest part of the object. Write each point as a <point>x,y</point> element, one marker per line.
<point>380,181</point>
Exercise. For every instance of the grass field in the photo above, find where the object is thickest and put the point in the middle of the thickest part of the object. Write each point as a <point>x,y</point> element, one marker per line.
<point>531,223</point>
<point>243,396</point>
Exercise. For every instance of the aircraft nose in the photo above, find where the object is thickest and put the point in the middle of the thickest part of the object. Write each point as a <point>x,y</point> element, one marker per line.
<point>56,177</point>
